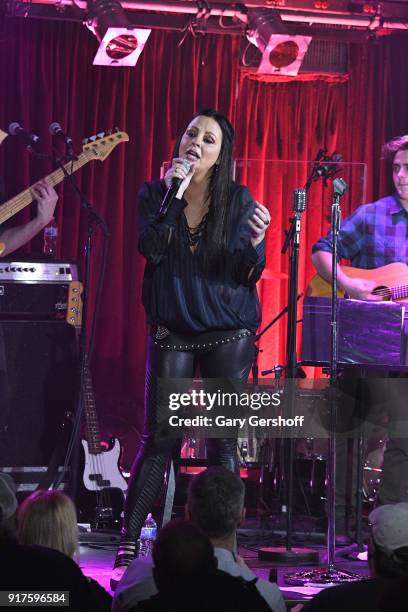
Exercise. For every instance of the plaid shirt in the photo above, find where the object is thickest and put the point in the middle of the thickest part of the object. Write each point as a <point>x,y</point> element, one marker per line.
<point>374,235</point>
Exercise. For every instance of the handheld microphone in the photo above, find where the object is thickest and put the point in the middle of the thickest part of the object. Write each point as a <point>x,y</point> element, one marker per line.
<point>173,189</point>
<point>15,129</point>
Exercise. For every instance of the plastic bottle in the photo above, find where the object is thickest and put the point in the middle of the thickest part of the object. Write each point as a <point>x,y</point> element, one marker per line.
<point>148,535</point>
<point>50,240</point>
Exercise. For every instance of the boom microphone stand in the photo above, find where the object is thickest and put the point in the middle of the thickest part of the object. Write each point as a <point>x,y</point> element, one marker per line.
<point>330,575</point>
<point>324,167</point>
<point>292,242</point>
<point>94,221</point>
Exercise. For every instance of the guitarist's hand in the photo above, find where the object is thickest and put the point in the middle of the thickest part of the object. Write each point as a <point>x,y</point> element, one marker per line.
<point>46,197</point>
<point>360,289</point>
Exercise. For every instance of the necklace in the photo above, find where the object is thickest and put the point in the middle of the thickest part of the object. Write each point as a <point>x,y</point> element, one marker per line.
<point>194,233</point>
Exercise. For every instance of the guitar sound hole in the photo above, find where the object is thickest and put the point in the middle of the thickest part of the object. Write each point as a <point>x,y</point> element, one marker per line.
<point>384,292</point>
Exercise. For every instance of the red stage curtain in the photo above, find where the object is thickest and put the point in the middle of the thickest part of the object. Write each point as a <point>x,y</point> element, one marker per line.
<point>46,74</point>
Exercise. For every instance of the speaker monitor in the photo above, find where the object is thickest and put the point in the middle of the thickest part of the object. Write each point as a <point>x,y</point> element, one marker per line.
<point>38,373</point>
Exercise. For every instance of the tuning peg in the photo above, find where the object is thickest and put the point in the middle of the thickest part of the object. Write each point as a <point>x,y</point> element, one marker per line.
<point>85,141</point>
<point>116,129</point>
<point>101,134</point>
<point>92,138</point>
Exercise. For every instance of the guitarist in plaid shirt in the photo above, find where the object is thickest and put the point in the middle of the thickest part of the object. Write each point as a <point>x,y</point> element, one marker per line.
<point>376,234</point>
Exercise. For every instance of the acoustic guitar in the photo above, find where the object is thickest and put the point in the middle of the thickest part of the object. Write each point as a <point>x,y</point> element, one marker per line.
<point>391,282</point>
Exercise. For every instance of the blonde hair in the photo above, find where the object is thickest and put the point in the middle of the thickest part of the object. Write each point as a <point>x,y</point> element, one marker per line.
<point>48,518</point>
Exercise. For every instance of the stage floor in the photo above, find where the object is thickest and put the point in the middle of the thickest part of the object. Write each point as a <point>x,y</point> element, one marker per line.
<point>96,560</point>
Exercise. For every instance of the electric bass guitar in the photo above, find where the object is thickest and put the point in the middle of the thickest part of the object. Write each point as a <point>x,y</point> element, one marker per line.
<point>96,147</point>
<point>391,282</point>
<point>100,502</point>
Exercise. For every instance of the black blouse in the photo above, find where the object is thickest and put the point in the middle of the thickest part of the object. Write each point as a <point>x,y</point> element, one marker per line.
<point>177,292</point>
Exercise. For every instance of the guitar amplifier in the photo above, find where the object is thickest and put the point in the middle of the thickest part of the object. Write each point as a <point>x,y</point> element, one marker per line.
<point>35,291</point>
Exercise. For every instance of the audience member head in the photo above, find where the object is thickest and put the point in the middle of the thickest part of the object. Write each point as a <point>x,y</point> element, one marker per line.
<point>48,518</point>
<point>182,556</point>
<point>8,506</point>
<point>186,575</point>
<point>393,595</point>
<point>388,550</point>
<point>215,502</point>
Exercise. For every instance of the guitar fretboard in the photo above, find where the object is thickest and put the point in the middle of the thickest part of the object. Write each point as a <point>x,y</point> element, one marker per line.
<point>23,199</point>
<point>92,426</point>
<point>398,293</point>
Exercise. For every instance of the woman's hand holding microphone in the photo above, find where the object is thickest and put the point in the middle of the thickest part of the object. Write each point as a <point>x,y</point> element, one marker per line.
<point>179,174</point>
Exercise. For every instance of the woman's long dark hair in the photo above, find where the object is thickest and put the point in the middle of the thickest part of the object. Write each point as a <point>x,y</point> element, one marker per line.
<point>214,240</point>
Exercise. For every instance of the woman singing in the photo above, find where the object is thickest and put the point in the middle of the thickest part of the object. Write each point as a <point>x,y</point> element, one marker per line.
<point>204,257</point>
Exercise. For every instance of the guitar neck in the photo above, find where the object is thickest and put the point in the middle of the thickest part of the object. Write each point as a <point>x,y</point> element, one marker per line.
<point>91,418</point>
<point>25,198</point>
<point>74,317</point>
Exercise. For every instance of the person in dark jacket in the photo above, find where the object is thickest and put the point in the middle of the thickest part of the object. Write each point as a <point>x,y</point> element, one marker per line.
<point>204,255</point>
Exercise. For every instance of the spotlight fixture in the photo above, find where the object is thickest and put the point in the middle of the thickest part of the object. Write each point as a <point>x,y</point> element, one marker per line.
<point>120,43</point>
<point>282,53</point>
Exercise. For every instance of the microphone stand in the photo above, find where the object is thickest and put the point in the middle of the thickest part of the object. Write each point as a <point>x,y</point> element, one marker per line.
<point>292,243</point>
<point>330,576</point>
<point>258,337</point>
<point>340,188</point>
<point>277,370</point>
<point>94,221</point>
<point>289,554</point>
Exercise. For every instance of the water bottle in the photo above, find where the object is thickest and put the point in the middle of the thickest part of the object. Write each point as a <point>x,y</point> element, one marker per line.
<point>147,537</point>
<point>50,240</point>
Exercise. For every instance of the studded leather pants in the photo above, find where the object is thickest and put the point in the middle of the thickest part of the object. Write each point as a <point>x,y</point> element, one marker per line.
<point>231,360</point>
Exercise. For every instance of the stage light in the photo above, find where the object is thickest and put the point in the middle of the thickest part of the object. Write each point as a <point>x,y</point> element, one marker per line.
<point>120,43</point>
<point>121,47</point>
<point>282,53</point>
